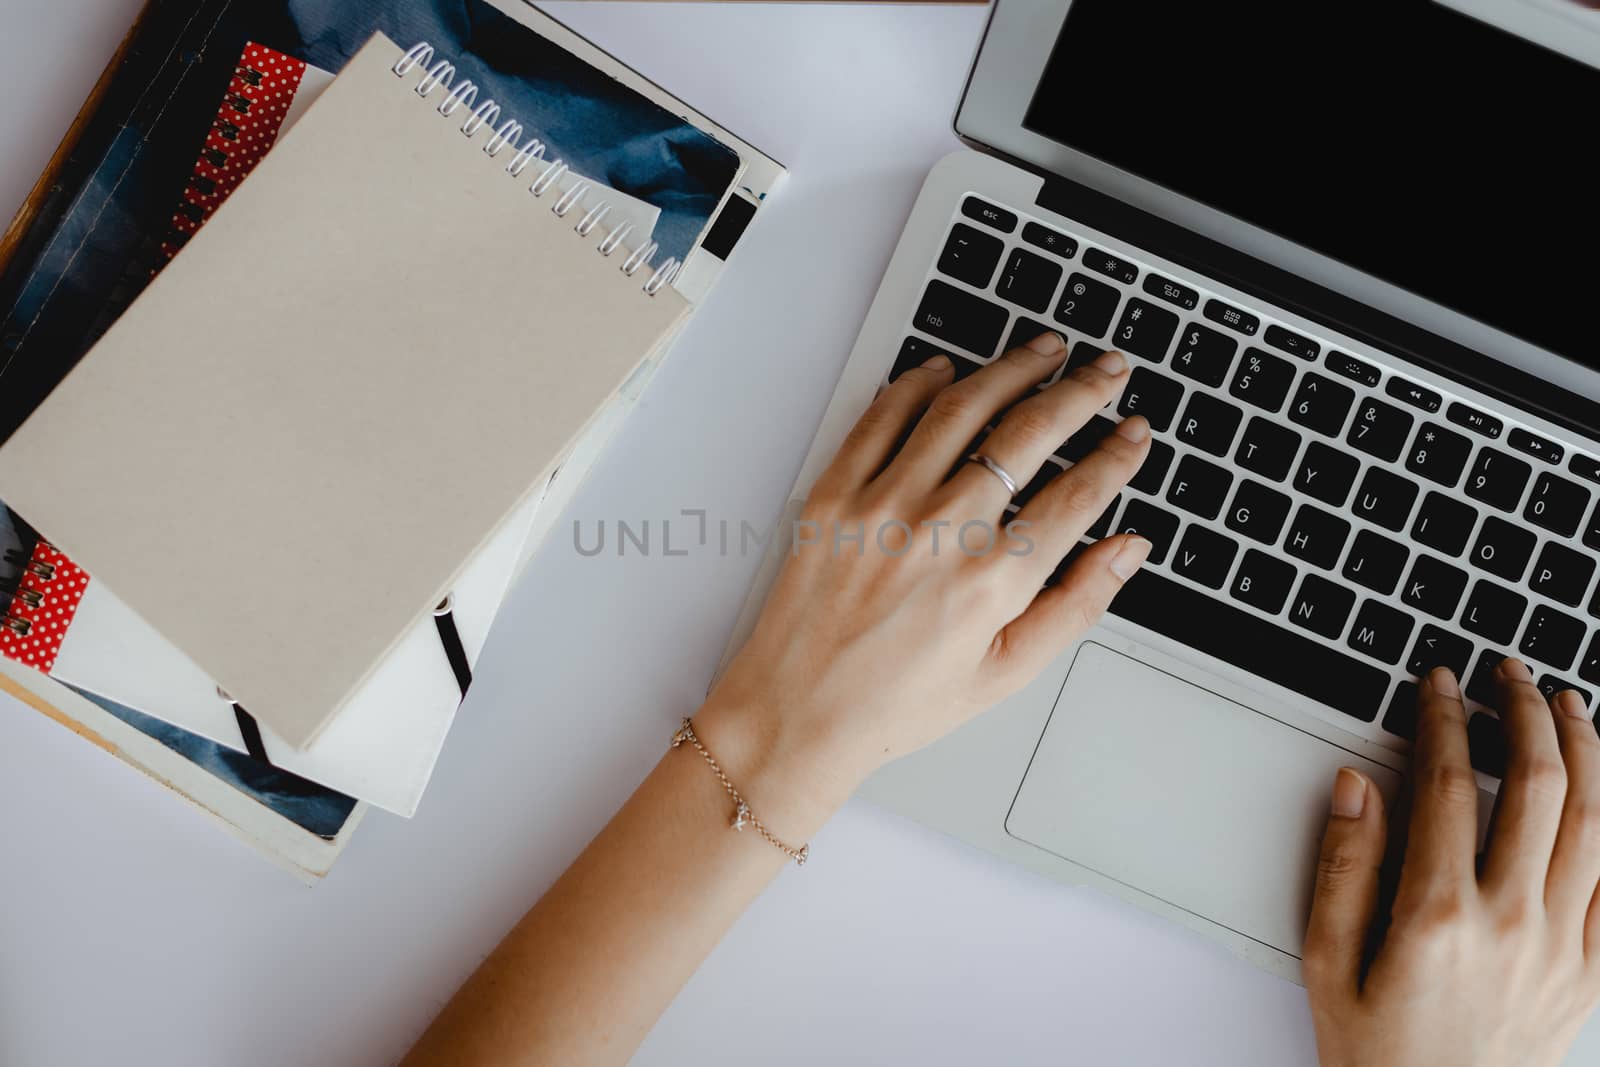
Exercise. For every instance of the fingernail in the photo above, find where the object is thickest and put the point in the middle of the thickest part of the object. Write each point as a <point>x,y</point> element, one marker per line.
<point>1571,705</point>
<point>1048,344</point>
<point>1134,429</point>
<point>938,363</point>
<point>1126,563</point>
<point>1516,670</point>
<point>1444,683</point>
<point>1349,794</point>
<point>1113,362</point>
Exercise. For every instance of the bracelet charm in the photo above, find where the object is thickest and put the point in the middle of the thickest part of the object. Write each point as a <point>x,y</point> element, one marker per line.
<point>742,815</point>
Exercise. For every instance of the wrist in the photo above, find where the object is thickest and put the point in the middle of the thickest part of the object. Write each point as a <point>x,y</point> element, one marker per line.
<point>792,779</point>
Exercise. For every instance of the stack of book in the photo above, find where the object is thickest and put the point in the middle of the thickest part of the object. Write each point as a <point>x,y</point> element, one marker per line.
<point>320,321</point>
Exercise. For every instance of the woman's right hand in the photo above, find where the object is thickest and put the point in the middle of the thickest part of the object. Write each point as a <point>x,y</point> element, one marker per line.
<point>1478,967</point>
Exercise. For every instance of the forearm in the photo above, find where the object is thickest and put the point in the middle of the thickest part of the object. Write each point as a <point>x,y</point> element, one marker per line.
<point>586,973</point>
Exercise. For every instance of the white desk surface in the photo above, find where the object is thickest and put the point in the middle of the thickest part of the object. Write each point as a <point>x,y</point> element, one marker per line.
<point>134,931</point>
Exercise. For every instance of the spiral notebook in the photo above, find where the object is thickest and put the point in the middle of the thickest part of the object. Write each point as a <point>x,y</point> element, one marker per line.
<point>295,443</point>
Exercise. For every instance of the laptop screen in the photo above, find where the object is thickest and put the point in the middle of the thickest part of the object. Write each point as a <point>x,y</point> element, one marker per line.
<point>1406,139</point>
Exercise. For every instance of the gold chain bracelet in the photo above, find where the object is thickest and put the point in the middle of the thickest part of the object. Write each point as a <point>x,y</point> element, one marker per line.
<point>742,815</point>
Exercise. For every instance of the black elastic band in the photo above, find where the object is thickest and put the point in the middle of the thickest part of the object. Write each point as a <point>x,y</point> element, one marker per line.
<point>251,734</point>
<point>454,650</point>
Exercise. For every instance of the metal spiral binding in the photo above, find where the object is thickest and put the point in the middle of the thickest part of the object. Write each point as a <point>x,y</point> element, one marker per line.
<point>31,599</point>
<point>441,73</point>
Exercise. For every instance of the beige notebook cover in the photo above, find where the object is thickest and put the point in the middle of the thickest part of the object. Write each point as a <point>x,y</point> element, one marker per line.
<point>292,443</point>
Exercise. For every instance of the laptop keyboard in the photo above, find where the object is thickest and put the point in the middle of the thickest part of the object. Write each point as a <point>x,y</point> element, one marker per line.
<point>1318,520</point>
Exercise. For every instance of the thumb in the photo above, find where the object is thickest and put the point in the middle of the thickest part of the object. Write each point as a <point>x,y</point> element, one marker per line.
<point>1346,898</point>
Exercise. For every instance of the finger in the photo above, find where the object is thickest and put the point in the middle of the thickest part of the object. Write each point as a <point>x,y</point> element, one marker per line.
<point>871,442</point>
<point>960,411</point>
<point>1064,612</point>
<point>1443,833</point>
<point>1058,514</point>
<point>1346,898</point>
<point>1532,793</point>
<point>1575,864</point>
<point>1036,427</point>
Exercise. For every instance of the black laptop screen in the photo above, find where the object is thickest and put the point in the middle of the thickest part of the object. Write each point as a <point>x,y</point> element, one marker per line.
<point>1401,137</point>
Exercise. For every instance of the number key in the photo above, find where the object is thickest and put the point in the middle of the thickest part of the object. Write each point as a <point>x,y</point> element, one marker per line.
<point>1438,454</point>
<point>1498,479</point>
<point>1557,505</point>
<point>1262,379</point>
<point>1145,330</point>
<point>1028,280</point>
<point>1380,430</point>
<point>1087,305</point>
<point>1322,404</point>
<point>1204,355</point>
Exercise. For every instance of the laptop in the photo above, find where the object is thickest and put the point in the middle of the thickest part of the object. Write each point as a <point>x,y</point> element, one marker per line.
<point>1345,250</point>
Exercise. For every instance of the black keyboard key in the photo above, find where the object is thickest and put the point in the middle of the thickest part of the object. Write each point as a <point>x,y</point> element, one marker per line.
<point>1480,684</point>
<point>1327,474</point>
<point>1591,534</point>
<point>1109,265</point>
<point>1170,291</point>
<point>1152,395</point>
<point>1258,512</point>
<point>1401,718</point>
<point>1267,449</point>
<point>1486,743</point>
<point>1050,240</point>
<point>956,316</point>
<point>1262,379</point>
<point>1292,343</point>
<point>1440,648</point>
<point>1533,445</point>
<point>1438,454</point>
<point>1562,574</point>
<point>1585,467</point>
<point>1385,499</point>
<point>1232,317</point>
<point>1216,628</point>
<point>1551,686</point>
<point>1102,526</point>
<point>1557,505</point>
<point>1087,305</point>
<point>1494,612</point>
<point>1380,430</point>
<point>1418,396</point>
<point>988,214</point>
<point>1589,666</point>
<point>1381,632</point>
<point>1317,537</point>
<point>1498,479</point>
<point>1444,525</point>
<point>1204,355</point>
<point>1028,280</point>
<point>970,255</point>
<point>914,352</point>
<point>1153,471</point>
<point>1083,354</point>
<point>1200,487</point>
<point>1026,329</point>
<point>1503,549</point>
<point>1156,525</point>
<point>1322,607</point>
<point>1376,562</point>
<point>1087,439</point>
<point>1434,587</point>
<point>1348,366</point>
<point>1145,330</point>
<point>1209,424</point>
<point>1204,556</point>
<point>1322,404</point>
<point>1263,582</point>
<point>1552,638</point>
<point>1477,421</point>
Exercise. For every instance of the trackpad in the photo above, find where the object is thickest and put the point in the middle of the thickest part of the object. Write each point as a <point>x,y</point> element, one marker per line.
<point>1190,797</point>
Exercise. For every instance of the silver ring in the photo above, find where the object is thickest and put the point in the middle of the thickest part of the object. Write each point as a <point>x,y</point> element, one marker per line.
<point>995,469</point>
